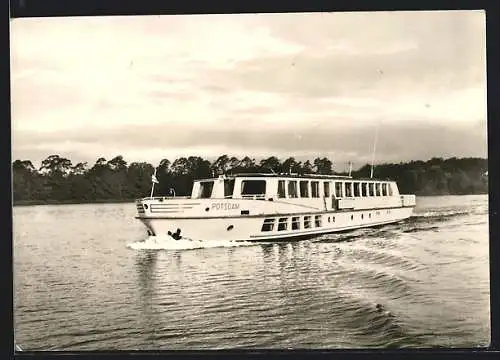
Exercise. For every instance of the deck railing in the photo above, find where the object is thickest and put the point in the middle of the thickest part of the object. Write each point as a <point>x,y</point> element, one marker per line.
<point>161,198</point>
<point>254,197</point>
<point>408,200</point>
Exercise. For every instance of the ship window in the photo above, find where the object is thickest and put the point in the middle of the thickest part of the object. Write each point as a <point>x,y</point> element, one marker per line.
<point>206,188</point>
<point>292,189</point>
<point>362,216</point>
<point>304,189</point>
<point>348,189</point>
<point>281,188</point>
<point>363,189</point>
<point>295,223</point>
<point>370,189</point>
<point>228,188</point>
<point>356,189</point>
<point>268,225</point>
<point>317,220</point>
<point>315,189</point>
<point>326,188</point>
<point>333,218</point>
<point>352,217</point>
<point>338,189</point>
<point>282,224</point>
<point>377,189</point>
<point>307,222</point>
<point>384,189</point>
<point>390,190</point>
<point>253,187</point>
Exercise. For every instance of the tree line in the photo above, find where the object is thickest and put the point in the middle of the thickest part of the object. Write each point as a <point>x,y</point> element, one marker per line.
<point>58,180</point>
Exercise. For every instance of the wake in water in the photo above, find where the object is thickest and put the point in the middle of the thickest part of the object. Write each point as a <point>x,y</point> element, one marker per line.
<point>419,221</point>
<point>452,212</point>
<point>167,243</point>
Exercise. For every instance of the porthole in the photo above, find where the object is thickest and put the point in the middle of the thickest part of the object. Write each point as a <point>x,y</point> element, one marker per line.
<point>230,227</point>
<point>329,219</point>
<point>145,206</point>
<point>206,209</point>
<point>352,217</point>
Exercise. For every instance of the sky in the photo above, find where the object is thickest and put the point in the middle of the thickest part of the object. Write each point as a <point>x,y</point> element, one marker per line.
<point>302,85</point>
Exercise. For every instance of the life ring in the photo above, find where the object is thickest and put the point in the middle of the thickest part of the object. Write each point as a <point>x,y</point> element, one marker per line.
<point>176,235</point>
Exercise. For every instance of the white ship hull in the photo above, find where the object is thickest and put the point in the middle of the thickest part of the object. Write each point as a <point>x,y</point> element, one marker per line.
<point>243,219</point>
<point>250,228</point>
<point>257,207</point>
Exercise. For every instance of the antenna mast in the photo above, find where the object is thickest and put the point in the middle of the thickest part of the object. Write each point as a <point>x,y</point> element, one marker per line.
<point>374,149</point>
<point>376,137</point>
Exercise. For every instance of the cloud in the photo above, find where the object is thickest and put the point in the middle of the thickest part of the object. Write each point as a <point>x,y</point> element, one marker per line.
<point>396,142</point>
<point>267,84</point>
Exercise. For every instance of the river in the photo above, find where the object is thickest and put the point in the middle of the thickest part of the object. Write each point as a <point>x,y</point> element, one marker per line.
<point>86,278</point>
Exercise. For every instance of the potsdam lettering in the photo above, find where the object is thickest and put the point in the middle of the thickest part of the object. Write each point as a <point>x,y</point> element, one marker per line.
<point>225,206</point>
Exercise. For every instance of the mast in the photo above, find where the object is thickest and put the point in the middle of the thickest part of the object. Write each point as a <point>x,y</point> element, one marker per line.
<point>374,149</point>
<point>380,72</point>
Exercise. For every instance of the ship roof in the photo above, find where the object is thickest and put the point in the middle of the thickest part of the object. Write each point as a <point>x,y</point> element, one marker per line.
<point>292,175</point>
<point>288,176</point>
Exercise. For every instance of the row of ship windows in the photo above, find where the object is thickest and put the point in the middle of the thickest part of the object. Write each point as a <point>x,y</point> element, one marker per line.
<point>347,189</point>
<point>307,223</point>
<point>302,188</point>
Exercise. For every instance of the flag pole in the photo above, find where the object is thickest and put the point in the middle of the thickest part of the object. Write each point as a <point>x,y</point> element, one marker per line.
<point>154,181</point>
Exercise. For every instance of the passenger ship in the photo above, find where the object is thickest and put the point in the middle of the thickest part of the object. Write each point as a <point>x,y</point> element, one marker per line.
<point>263,207</point>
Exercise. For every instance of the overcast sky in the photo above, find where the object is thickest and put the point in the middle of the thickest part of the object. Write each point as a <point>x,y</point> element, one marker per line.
<point>303,85</point>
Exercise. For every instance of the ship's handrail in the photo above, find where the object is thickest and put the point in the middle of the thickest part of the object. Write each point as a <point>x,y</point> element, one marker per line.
<point>254,196</point>
<point>410,197</point>
<point>165,198</point>
<point>279,175</point>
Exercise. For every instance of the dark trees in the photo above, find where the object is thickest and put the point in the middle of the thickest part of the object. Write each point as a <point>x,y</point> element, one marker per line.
<point>59,180</point>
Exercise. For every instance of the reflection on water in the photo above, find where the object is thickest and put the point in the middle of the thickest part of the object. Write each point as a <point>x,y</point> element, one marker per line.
<point>145,265</point>
<point>423,282</point>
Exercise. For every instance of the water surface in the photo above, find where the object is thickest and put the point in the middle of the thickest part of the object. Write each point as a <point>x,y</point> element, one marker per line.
<point>86,278</point>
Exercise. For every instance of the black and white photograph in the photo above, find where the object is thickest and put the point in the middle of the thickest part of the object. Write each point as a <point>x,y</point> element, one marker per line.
<point>313,180</point>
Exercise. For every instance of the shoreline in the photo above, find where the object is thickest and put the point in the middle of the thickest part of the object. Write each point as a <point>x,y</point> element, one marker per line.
<point>122,201</point>
<point>70,202</point>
